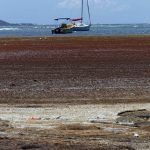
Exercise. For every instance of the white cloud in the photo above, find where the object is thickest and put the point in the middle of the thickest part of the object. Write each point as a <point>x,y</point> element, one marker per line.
<point>69,3</point>
<point>114,5</point>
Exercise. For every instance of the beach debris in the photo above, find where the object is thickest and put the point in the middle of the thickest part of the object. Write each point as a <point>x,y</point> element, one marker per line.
<point>35,118</point>
<point>61,118</point>
<point>46,118</point>
<point>136,135</point>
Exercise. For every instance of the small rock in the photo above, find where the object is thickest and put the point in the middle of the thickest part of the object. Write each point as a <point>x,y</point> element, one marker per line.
<point>142,113</point>
<point>30,146</point>
<point>129,120</point>
<point>4,124</point>
<point>143,124</point>
<point>137,118</point>
<point>46,119</point>
<point>95,121</point>
<point>12,85</point>
<point>58,117</point>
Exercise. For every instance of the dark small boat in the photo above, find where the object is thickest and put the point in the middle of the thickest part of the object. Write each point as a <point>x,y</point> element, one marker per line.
<point>64,28</point>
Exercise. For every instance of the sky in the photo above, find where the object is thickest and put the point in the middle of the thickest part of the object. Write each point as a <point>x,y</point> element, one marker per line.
<point>102,11</point>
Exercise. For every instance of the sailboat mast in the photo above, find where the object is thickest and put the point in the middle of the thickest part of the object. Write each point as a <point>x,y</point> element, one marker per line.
<point>89,11</point>
<point>82,4</point>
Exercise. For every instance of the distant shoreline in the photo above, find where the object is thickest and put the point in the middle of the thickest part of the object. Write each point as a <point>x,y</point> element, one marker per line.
<point>32,30</point>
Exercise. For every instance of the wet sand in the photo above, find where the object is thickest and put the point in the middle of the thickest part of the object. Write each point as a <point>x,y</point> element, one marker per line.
<point>66,92</point>
<point>75,70</point>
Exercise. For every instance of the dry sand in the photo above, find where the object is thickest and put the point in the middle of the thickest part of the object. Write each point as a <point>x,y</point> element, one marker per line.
<point>90,126</point>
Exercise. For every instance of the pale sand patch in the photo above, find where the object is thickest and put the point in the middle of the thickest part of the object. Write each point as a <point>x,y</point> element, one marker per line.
<point>51,116</point>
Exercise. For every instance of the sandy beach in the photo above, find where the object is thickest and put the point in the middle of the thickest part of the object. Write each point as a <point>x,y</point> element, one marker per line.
<point>92,126</point>
<point>67,93</point>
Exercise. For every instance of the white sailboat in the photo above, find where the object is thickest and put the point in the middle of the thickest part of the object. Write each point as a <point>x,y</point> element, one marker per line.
<point>78,23</point>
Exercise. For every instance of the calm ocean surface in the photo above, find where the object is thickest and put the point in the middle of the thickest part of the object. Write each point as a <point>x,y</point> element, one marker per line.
<point>97,30</point>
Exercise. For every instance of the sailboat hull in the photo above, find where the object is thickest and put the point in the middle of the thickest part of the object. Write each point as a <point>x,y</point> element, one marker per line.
<point>81,27</point>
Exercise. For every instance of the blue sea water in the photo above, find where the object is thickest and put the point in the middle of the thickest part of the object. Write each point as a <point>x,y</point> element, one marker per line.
<point>96,30</point>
